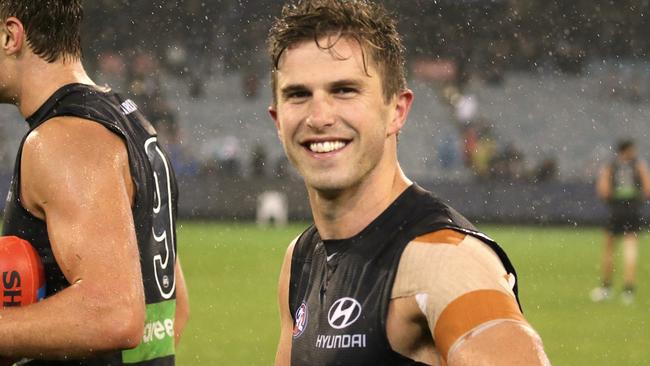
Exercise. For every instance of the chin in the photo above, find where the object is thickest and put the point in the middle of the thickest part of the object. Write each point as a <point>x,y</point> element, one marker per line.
<point>327,185</point>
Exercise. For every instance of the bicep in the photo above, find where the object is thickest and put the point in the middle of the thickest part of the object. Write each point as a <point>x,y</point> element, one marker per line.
<point>460,285</point>
<point>79,187</point>
<point>503,342</point>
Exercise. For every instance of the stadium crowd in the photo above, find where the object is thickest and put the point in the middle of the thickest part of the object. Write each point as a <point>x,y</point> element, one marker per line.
<point>452,45</point>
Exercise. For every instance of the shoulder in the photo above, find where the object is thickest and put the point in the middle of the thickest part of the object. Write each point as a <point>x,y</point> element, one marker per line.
<point>458,282</point>
<point>67,154</point>
<point>71,138</point>
<point>449,264</point>
<point>302,246</point>
<point>448,258</point>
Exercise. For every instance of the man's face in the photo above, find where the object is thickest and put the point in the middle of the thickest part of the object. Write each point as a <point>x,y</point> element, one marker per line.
<point>331,115</point>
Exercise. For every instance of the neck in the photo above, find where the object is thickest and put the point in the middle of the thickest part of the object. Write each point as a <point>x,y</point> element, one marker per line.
<point>40,79</point>
<point>346,213</point>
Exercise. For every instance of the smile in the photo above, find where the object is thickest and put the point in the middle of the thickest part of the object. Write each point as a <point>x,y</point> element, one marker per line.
<point>322,147</point>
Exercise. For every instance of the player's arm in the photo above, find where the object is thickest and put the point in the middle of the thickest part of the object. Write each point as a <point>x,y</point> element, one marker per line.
<point>75,176</point>
<point>182,302</point>
<point>506,343</point>
<point>465,296</point>
<point>604,183</point>
<point>283,355</point>
<point>644,174</point>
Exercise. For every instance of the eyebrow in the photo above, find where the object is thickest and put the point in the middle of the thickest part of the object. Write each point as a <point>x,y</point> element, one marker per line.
<point>292,89</point>
<point>346,82</point>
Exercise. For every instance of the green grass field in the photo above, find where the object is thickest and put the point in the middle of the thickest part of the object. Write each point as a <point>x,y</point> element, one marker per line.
<point>232,271</point>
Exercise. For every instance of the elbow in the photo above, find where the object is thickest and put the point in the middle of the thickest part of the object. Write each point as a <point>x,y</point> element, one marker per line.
<point>126,328</point>
<point>130,334</point>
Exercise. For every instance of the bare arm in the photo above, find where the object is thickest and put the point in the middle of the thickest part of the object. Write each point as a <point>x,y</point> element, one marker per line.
<point>75,176</point>
<point>645,179</point>
<point>460,289</point>
<point>283,355</point>
<point>182,302</point>
<point>604,183</point>
<point>508,343</point>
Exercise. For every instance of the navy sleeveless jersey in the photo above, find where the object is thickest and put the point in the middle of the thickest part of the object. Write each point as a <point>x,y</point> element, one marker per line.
<point>154,213</point>
<point>339,306</point>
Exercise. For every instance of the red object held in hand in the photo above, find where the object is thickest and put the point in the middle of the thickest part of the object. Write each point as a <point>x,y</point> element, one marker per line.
<point>22,278</point>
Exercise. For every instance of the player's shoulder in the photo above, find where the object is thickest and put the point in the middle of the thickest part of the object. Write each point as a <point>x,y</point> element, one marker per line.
<point>67,136</point>
<point>449,242</point>
<point>449,257</point>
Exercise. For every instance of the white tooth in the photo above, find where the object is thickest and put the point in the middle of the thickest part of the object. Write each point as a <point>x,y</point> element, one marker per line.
<point>326,146</point>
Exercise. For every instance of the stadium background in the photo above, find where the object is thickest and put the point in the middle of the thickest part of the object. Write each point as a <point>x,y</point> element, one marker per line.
<point>518,102</point>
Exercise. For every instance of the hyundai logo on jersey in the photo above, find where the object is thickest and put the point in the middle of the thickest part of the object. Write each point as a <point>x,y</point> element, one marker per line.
<point>343,312</point>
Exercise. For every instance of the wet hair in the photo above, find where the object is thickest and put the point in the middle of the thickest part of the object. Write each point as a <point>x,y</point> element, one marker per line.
<point>368,23</point>
<point>624,145</point>
<point>52,27</point>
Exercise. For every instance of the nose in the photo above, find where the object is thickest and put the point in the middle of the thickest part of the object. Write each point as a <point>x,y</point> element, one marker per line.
<point>321,112</point>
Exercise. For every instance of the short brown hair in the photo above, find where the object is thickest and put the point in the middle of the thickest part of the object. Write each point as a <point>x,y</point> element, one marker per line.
<point>368,23</point>
<point>52,26</point>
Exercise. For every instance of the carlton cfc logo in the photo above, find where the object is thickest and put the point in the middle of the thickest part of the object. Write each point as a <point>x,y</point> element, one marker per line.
<point>344,312</point>
<point>301,321</point>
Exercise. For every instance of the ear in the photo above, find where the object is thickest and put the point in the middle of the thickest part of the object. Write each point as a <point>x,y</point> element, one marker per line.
<point>273,111</point>
<point>13,36</point>
<point>403,102</point>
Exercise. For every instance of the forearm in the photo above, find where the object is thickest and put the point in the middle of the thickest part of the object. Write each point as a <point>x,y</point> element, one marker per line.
<point>77,322</point>
<point>182,304</point>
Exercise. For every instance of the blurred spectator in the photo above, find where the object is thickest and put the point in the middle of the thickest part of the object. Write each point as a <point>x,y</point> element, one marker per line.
<point>181,155</point>
<point>112,71</point>
<point>272,207</point>
<point>258,161</point>
<point>508,165</point>
<point>147,92</point>
<point>448,153</point>
<point>281,167</point>
<point>545,171</point>
<point>221,156</point>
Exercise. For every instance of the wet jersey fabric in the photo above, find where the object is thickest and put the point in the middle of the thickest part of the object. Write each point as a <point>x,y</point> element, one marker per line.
<point>154,212</point>
<point>626,180</point>
<point>340,290</point>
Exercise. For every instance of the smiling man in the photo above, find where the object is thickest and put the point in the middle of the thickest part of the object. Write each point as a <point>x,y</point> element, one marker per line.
<point>388,274</point>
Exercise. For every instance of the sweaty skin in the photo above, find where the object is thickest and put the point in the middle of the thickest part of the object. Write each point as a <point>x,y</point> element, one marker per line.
<point>75,176</point>
<point>341,135</point>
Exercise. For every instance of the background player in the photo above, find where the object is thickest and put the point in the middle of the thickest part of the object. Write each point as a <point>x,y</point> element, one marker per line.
<point>623,184</point>
<point>94,193</point>
<point>388,275</point>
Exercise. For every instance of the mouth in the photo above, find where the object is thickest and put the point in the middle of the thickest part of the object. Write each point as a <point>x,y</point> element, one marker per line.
<point>324,147</point>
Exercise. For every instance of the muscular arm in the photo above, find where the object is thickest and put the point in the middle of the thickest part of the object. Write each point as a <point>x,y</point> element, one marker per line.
<point>75,176</point>
<point>182,302</point>
<point>283,355</point>
<point>507,343</point>
<point>455,289</point>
